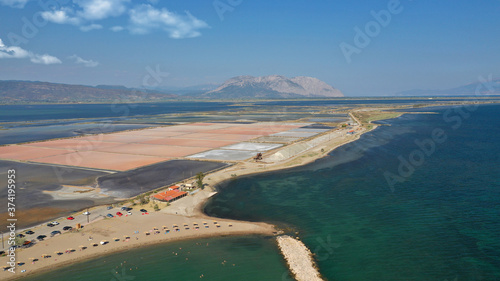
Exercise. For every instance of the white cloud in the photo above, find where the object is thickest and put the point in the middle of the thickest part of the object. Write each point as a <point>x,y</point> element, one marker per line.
<point>101,9</point>
<point>44,59</point>
<point>85,11</point>
<point>145,18</point>
<point>87,63</point>
<point>116,28</point>
<point>61,16</point>
<point>15,52</point>
<point>90,27</point>
<point>14,3</point>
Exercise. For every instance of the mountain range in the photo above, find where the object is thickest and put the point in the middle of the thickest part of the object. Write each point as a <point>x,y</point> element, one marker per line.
<point>480,88</point>
<point>272,86</point>
<point>29,91</point>
<point>241,87</point>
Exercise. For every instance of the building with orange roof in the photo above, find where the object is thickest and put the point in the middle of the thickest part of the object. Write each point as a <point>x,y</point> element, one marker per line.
<point>173,187</point>
<point>170,195</point>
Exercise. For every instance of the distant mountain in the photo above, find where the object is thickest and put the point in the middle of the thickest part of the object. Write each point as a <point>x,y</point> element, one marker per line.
<point>483,89</point>
<point>188,91</point>
<point>28,91</point>
<point>112,87</point>
<point>273,86</point>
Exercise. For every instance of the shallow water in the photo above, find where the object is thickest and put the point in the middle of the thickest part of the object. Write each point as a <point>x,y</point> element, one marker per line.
<point>440,223</point>
<point>230,258</point>
<point>47,132</point>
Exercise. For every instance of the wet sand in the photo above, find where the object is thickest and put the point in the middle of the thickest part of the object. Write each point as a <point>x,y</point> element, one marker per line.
<point>130,232</point>
<point>131,183</point>
<point>33,204</point>
<point>40,186</point>
<point>187,210</point>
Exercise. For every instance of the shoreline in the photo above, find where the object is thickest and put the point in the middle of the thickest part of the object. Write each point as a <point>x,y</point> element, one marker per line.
<point>126,248</point>
<point>192,209</point>
<point>299,258</point>
<point>131,226</point>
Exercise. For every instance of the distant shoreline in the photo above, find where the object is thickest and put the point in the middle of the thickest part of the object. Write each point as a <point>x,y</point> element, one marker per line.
<point>258,100</point>
<point>186,210</point>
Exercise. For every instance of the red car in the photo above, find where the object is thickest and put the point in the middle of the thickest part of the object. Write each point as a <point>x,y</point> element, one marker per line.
<point>119,214</point>
<point>70,218</point>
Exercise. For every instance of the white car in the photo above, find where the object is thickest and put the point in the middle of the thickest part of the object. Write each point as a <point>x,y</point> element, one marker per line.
<point>129,213</point>
<point>55,223</point>
<point>86,213</point>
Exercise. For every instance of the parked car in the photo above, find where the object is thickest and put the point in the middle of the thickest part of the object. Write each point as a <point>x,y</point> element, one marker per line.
<point>110,216</point>
<point>29,232</point>
<point>50,224</point>
<point>86,213</point>
<point>20,235</point>
<point>67,228</point>
<point>119,214</point>
<point>54,233</point>
<point>55,223</point>
<point>41,237</point>
<point>70,218</point>
<point>109,207</point>
<point>129,213</point>
<point>143,210</point>
<point>124,208</point>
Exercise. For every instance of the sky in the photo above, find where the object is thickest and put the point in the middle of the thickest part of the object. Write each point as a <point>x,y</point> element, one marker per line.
<point>363,48</point>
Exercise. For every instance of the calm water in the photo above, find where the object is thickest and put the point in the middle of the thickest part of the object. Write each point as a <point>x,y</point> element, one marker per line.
<point>436,220</point>
<point>231,258</point>
<point>37,112</point>
<point>441,223</point>
<point>11,113</point>
<point>40,132</point>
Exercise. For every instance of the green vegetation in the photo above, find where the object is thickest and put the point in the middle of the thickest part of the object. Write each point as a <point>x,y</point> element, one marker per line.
<point>143,199</point>
<point>19,241</point>
<point>366,117</point>
<point>199,180</point>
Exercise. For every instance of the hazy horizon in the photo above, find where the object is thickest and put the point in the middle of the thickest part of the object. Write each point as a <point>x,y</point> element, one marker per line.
<point>359,47</point>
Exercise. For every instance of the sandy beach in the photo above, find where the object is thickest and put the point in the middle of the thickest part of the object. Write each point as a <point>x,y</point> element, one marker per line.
<point>127,232</point>
<point>122,234</point>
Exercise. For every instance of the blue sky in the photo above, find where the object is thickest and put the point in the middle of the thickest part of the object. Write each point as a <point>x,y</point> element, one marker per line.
<point>424,44</point>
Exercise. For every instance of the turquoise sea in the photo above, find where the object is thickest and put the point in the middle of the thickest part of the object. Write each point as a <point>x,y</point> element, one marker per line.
<point>418,199</point>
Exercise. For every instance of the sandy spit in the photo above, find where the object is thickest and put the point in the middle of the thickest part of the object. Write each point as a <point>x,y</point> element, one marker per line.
<point>115,231</point>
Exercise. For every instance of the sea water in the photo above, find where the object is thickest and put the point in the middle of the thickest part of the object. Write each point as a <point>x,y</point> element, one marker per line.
<point>370,210</point>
